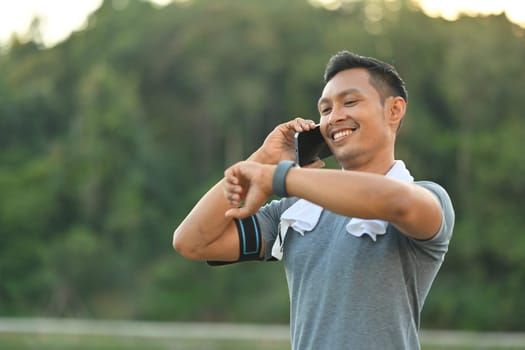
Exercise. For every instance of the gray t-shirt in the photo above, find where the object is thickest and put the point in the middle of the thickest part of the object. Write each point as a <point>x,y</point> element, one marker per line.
<point>349,292</point>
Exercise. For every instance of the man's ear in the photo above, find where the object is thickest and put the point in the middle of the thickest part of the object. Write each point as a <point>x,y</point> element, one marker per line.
<point>396,109</point>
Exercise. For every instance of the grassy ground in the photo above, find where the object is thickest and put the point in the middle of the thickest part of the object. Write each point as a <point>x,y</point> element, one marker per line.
<point>85,334</point>
<point>84,342</point>
<point>23,341</point>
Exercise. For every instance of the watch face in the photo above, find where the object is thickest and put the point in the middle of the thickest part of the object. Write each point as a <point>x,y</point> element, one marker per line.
<point>310,146</point>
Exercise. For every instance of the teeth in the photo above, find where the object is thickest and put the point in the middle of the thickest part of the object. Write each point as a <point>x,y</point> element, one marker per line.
<point>341,134</point>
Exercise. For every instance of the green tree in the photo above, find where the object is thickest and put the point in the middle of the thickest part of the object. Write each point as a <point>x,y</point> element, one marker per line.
<point>108,139</point>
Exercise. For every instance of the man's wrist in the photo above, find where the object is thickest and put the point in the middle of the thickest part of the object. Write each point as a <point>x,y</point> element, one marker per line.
<point>279,177</point>
<point>260,156</point>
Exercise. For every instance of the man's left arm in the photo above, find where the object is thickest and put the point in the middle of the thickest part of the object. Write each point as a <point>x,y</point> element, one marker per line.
<point>412,209</point>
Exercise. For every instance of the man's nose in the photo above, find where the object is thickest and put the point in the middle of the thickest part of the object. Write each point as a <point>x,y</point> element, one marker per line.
<point>337,114</point>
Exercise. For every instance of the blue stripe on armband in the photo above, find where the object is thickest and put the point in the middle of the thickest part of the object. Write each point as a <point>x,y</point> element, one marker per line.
<point>256,234</point>
<point>249,238</point>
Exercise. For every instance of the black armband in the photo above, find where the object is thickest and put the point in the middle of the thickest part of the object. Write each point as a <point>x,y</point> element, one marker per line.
<point>250,241</point>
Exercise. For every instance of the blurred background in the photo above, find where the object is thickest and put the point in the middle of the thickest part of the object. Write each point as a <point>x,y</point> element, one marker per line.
<point>111,130</point>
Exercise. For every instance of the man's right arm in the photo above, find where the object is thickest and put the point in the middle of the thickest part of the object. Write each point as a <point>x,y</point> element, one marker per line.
<point>206,233</point>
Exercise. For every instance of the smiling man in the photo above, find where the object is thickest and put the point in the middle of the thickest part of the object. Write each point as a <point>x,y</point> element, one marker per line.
<point>362,245</point>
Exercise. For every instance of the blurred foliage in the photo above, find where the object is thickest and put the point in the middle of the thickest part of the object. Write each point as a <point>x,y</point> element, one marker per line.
<point>109,138</point>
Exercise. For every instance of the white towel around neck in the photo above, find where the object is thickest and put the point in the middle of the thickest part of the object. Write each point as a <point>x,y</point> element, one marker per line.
<point>303,216</point>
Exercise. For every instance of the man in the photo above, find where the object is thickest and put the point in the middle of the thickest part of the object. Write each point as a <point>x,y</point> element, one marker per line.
<point>362,245</point>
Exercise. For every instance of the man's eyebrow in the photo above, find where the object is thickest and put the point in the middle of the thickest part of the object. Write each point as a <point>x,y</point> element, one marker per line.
<point>339,95</point>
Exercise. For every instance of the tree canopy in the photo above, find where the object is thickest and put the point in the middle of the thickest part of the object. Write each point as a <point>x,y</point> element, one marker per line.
<point>108,139</point>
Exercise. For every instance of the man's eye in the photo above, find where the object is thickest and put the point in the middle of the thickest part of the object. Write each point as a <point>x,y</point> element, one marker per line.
<point>325,110</point>
<point>350,102</point>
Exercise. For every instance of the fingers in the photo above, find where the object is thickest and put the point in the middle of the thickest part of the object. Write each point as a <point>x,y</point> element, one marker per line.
<point>234,199</point>
<point>237,213</point>
<point>249,208</point>
<point>315,164</point>
<point>299,124</point>
<point>232,188</point>
<point>245,188</point>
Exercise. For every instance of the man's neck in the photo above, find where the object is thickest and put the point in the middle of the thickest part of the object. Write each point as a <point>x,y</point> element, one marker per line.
<point>377,165</point>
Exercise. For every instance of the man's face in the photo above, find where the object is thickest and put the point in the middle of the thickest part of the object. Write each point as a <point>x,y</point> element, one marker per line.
<point>353,119</point>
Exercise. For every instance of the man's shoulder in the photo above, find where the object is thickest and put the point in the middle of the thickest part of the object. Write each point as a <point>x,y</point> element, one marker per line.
<point>439,191</point>
<point>280,205</point>
<point>444,234</point>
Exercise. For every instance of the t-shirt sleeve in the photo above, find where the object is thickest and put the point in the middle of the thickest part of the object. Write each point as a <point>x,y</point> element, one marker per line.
<point>437,246</point>
<point>268,218</point>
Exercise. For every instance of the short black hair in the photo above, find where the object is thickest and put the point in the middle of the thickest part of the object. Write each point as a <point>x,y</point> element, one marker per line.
<point>383,76</point>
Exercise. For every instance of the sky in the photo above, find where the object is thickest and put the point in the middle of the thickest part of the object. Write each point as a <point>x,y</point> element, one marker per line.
<point>60,17</point>
<point>450,9</point>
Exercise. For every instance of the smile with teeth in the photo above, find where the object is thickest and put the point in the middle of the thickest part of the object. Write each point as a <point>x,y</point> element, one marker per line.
<point>340,134</point>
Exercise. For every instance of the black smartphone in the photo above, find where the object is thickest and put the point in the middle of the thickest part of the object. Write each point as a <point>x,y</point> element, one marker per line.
<point>310,146</point>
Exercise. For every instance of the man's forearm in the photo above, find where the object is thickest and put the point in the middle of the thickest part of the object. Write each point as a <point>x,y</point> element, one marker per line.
<point>261,156</point>
<point>409,207</point>
<point>206,232</point>
<point>204,224</point>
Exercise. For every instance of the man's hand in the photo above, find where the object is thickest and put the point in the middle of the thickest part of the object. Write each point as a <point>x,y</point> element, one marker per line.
<point>247,183</point>
<point>280,144</point>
